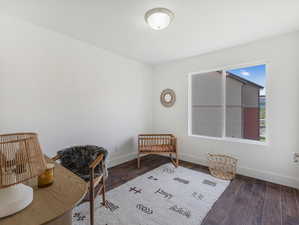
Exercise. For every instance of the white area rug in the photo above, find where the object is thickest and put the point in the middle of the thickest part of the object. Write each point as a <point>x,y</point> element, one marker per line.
<point>163,196</point>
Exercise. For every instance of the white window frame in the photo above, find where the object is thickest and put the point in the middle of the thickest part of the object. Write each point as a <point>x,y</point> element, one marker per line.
<point>224,70</point>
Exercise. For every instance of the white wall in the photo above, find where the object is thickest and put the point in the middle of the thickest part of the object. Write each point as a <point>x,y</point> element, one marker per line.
<point>271,162</point>
<point>71,92</point>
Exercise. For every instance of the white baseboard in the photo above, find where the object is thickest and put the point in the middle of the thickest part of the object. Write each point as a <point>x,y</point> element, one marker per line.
<point>116,160</point>
<point>262,175</point>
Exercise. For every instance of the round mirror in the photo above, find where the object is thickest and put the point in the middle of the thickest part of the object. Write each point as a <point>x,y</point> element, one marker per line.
<point>167,97</point>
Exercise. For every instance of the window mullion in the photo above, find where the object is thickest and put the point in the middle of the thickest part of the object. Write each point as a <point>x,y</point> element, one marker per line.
<point>223,104</point>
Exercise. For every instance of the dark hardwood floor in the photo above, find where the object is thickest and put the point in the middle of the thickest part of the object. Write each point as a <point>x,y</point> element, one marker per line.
<point>246,201</point>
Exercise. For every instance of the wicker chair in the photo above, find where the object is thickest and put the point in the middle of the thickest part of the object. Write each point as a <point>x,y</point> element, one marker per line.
<point>88,162</point>
<point>157,144</point>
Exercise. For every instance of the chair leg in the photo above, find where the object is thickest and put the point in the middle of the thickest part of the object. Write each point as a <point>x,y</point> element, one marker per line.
<point>91,202</point>
<point>177,159</point>
<point>104,192</point>
<point>138,161</point>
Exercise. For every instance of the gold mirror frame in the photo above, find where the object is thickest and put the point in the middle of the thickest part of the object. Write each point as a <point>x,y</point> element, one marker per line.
<point>163,95</point>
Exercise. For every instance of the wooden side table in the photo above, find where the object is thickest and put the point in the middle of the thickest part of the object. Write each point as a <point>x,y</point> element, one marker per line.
<point>52,205</point>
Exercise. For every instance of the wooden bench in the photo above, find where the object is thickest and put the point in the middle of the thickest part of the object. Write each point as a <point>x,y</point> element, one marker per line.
<point>157,144</point>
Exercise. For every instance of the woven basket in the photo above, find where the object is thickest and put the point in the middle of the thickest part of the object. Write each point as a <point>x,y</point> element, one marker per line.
<point>222,166</point>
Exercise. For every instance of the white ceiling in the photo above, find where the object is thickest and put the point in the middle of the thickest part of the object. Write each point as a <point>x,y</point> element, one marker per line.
<point>199,26</point>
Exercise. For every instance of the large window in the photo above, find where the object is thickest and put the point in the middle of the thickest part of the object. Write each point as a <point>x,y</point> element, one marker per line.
<point>229,103</point>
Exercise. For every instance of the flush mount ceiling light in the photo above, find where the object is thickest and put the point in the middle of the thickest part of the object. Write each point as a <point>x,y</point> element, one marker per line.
<point>159,18</point>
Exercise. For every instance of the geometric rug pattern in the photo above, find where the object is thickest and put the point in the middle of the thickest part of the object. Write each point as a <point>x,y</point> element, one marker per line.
<point>163,196</point>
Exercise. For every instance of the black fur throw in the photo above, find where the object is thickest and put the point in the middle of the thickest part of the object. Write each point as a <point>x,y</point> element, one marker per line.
<point>78,158</point>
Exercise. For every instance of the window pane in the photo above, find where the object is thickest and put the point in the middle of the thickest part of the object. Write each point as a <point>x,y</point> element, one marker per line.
<point>245,103</point>
<point>233,108</point>
<point>207,111</point>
